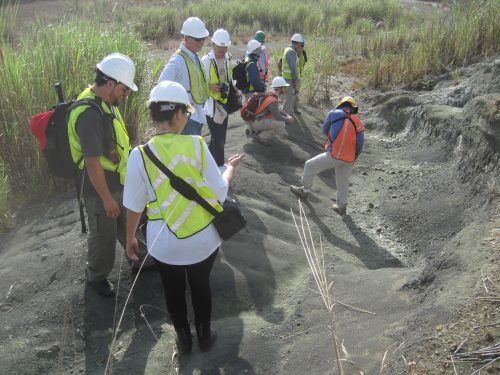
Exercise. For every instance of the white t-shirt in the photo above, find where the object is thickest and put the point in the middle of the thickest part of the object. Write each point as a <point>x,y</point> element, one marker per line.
<point>162,243</point>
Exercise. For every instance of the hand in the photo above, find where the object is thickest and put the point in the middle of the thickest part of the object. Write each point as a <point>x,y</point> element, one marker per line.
<point>234,160</point>
<point>132,249</point>
<point>214,87</point>
<point>112,208</point>
<point>239,93</point>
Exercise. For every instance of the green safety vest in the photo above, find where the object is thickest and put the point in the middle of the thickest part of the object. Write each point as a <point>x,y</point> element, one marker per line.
<point>214,78</point>
<point>287,72</point>
<point>197,80</point>
<point>185,157</point>
<point>122,145</point>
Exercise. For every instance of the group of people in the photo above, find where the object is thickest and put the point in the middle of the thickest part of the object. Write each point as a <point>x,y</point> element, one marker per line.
<point>120,184</point>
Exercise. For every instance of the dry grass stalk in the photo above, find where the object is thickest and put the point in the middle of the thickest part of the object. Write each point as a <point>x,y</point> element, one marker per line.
<point>317,266</point>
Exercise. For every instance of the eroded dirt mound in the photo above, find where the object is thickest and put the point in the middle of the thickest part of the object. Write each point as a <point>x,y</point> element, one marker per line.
<point>422,228</point>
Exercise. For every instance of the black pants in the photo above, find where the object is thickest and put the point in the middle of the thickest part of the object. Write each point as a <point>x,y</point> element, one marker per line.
<point>217,139</point>
<point>173,278</point>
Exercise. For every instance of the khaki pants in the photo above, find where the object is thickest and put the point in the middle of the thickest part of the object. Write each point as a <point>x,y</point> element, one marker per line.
<point>102,236</point>
<point>268,128</point>
<point>291,100</point>
<point>321,163</point>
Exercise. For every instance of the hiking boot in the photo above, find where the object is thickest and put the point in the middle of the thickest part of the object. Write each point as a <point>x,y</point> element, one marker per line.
<point>184,340</point>
<point>341,210</point>
<point>104,287</point>
<point>206,337</point>
<point>299,191</point>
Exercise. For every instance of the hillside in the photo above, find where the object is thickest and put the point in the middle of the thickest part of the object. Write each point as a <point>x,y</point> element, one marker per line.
<point>419,249</point>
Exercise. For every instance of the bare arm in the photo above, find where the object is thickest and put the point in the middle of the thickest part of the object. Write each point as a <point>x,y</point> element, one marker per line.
<point>98,180</point>
<point>132,245</point>
<point>232,162</point>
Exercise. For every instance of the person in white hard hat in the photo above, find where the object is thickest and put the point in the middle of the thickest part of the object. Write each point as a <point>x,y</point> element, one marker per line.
<point>219,72</point>
<point>185,68</point>
<point>252,70</point>
<point>291,71</point>
<point>100,146</point>
<point>269,120</point>
<point>180,234</point>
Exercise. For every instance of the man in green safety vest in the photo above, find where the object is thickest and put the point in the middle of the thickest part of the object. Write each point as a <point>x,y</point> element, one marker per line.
<point>185,68</point>
<point>100,146</point>
<point>292,72</point>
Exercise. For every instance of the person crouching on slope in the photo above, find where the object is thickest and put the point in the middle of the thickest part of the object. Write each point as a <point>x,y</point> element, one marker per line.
<point>344,143</point>
<point>269,120</point>
<point>180,234</point>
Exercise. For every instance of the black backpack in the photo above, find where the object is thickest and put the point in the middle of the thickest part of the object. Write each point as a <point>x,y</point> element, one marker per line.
<point>51,130</point>
<point>240,75</point>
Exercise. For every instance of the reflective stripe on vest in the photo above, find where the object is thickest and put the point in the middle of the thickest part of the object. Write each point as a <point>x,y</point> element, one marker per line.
<point>344,146</point>
<point>198,87</point>
<point>185,157</point>
<point>215,79</point>
<point>122,145</point>
<point>287,72</point>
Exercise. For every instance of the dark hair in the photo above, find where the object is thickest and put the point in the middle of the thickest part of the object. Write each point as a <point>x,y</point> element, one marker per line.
<point>101,78</point>
<point>159,115</point>
<point>348,106</point>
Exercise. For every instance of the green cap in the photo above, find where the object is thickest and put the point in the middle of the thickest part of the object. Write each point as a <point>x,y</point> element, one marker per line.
<point>260,36</point>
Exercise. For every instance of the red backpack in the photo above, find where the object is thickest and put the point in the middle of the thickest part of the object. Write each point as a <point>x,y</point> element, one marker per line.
<point>257,104</point>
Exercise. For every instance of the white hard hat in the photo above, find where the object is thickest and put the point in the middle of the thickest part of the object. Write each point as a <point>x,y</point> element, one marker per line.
<point>297,38</point>
<point>279,82</point>
<point>119,67</point>
<point>221,38</point>
<point>252,46</point>
<point>194,27</point>
<point>170,92</point>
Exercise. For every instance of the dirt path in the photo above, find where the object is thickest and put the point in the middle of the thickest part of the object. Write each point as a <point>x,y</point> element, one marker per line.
<point>269,319</point>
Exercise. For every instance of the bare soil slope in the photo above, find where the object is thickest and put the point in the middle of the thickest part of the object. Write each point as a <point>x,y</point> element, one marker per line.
<point>419,244</point>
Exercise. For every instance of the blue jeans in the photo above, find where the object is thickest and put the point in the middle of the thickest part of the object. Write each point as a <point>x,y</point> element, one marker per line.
<point>217,139</point>
<point>192,128</point>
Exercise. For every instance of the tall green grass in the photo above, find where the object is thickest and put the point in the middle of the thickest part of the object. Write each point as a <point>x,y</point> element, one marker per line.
<point>468,33</point>
<point>284,17</point>
<point>66,53</point>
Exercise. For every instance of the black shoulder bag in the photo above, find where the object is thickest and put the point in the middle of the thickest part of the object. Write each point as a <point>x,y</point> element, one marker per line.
<point>228,222</point>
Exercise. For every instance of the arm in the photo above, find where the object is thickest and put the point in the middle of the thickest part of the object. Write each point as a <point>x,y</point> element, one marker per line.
<point>98,180</point>
<point>291,58</point>
<point>360,140</point>
<point>275,110</point>
<point>232,162</point>
<point>132,247</point>
<point>254,77</point>
<point>206,62</point>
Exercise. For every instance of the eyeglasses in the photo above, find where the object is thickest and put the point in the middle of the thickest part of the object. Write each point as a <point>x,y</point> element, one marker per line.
<point>187,113</point>
<point>126,90</point>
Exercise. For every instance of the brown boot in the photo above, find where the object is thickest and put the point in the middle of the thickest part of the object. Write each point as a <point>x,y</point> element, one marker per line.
<point>299,191</point>
<point>341,210</point>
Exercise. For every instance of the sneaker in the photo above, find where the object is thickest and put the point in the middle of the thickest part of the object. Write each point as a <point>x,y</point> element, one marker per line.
<point>104,287</point>
<point>299,191</point>
<point>341,210</point>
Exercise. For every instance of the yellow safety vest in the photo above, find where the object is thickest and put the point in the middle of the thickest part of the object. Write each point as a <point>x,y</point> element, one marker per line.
<point>287,72</point>
<point>214,78</point>
<point>249,61</point>
<point>197,80</point>
<point>122,145</point>
<point>185,156</point>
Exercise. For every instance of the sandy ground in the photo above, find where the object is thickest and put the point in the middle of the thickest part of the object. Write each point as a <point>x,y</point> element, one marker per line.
<point>411,251</point>
<point>419,250</point>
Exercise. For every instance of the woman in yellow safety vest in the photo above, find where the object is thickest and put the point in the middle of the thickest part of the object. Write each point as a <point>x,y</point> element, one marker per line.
<point>180,235</point>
